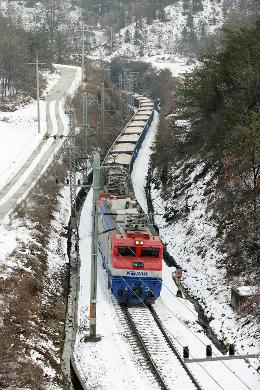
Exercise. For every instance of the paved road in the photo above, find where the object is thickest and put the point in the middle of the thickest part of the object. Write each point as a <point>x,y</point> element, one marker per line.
<point>11,194</point>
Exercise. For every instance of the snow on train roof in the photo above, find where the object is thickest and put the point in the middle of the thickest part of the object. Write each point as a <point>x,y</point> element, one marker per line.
<point>123,148</point>
<point>144,111</point>
<point>121,159</point>
<point>133,138</point>
<point>137,123</point>
<point>142,117</point>
<point>145,101</point>
<point>145,105</point>
<point>134,130</point>
<point>141,97</point>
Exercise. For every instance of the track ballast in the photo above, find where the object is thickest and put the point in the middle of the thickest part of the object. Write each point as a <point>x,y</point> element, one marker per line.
<point>167,366</point>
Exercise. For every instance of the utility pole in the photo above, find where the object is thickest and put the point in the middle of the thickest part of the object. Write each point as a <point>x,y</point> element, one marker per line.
<point>125,79</point>
<point>100,56</point>
<point>120,95</point>
<point>134,76</point>
<point>145,37</point>
<point>85,130</point>
<point>128,88</point>
<point>83,30</point>
<point>93,285</point>
<point>73,184</point>
<point>172,42</point>
<point>111,39</point>
<point>131,87</point>
<point>85,119</point>
<point>37,63</point>
<point>128,94</point>
<point>38,92</point>
<point>83,56</point>
<point>102,115</point>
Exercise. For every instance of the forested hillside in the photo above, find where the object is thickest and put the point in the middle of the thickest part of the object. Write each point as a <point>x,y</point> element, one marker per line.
<point>118,28</point>
<point>217,123</point>
<point>199,61</point>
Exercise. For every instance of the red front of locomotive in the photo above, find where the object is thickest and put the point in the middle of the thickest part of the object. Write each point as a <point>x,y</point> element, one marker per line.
<point>136,267</point>
<point>137,251</point>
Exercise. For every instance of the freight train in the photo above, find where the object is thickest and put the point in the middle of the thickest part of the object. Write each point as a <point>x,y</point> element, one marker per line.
<point>129,245</point>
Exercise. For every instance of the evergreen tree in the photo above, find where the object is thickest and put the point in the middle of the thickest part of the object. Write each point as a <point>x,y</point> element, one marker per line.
<point>225,7</point>
<point>222,100</point>
<point>190,21</point>
<point>137,35</point>
<point>161,11</point>
<point>203,29</point>
<point>37,39</point>
<point>186,5</point>
<point>152,11</point>
<point>192,37</point>
<point>197,6</point>
<point>226,90</point>
<point>127,37</point>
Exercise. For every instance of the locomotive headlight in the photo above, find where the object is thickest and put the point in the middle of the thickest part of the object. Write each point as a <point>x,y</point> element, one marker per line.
<point>139,243</point>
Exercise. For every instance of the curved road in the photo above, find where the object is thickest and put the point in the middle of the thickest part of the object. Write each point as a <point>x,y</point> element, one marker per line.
<point>19,185</point>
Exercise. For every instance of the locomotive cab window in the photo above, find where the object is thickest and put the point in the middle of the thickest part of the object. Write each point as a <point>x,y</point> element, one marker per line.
<point>126,251</point>
<point>149,252</point>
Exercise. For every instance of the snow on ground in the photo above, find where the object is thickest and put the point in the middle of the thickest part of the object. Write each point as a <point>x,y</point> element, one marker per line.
<point>10,236</point>
<point>160,40</point>
<point>111,363</point>
<point>179,313</point>
<point>19,137</point>
<point>57,248</point>
<point>57,260</point>
<point>191,243</point>
<point>19,133</point>
<point>176,64</point>
<point>173,308</point>
<point>34,16</point>
<point>180,319</point>
<point>52,78</point>
<point>77,80</point>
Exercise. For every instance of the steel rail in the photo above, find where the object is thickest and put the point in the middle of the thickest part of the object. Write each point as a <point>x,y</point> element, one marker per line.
<point>170,344</point>
<point>145,349</point>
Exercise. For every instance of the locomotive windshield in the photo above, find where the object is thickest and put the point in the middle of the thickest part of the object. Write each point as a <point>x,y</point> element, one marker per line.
<point>149,252</point>
<point>126,251</point>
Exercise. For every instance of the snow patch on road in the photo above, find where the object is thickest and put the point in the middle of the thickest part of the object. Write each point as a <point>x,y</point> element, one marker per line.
<point>19,138</point>
<point>77,79</point>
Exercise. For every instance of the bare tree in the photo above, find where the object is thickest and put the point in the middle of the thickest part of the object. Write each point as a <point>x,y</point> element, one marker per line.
<point>55,15</point>
<point>13,56</point>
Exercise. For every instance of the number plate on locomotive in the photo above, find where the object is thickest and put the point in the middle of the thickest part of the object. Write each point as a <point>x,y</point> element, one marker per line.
<point>138,265</point>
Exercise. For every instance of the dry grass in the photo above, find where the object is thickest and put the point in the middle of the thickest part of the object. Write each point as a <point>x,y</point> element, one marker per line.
<point>31,311</point>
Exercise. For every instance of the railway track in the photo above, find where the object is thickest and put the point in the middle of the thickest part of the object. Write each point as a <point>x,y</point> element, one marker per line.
<point>168,368</point>
<point>150,345</point>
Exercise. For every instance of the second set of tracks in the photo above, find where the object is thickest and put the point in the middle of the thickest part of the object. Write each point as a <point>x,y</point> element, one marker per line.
<point>166,364</point>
